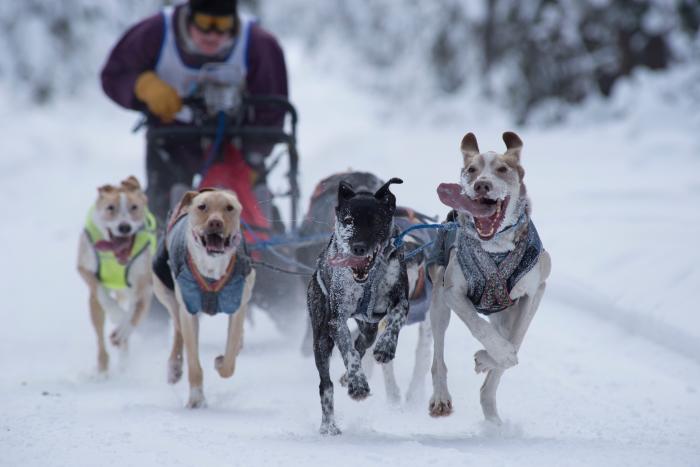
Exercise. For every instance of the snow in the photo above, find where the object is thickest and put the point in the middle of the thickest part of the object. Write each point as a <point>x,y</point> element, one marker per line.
<point>609,373</point>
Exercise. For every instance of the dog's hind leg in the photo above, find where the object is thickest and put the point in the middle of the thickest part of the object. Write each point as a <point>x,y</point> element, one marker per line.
<point>393,392</point>
<point>441,400</point>
<point>416,388</point>
<point>516,324</point>
<point>167,298</point>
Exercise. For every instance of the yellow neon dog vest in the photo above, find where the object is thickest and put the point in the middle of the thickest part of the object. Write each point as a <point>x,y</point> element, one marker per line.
<point>111,273</point>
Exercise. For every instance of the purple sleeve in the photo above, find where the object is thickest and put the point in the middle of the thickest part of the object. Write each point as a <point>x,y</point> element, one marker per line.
<point>137,51</point>
<point>267,73</point>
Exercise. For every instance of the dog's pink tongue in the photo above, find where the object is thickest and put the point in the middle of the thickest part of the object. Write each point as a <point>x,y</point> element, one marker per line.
<point>348,261</point>
<point>451,195</point>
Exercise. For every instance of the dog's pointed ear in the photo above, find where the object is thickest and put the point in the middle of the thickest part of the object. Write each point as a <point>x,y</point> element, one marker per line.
<point>513,143</point>
<point>469,147</point>
<point>345,191</point>
<point>131,183</point>
<point>383,191</point>
<point>384,194</point>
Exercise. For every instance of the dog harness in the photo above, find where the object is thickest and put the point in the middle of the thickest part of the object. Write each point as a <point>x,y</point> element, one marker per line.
<point>199,292</point>
<point>111,272</point>
<point>491,276</point>
<point>364,310</point>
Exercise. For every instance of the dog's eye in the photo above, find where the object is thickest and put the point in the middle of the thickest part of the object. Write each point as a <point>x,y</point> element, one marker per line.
<point>202,207</point>
<point>347,221</point>
<point>134,207</point>
<point>471,169</point>
<point>502,169</point>
<point>111,208</point>
<point>229,208</point>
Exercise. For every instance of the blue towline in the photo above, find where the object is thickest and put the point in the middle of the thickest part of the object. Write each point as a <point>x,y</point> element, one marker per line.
<point>398,239</point>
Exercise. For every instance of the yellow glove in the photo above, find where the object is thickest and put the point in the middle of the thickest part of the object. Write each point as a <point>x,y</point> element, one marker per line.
<point>161,98</point>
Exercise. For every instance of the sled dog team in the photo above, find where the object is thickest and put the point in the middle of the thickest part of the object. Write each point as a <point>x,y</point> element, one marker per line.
<point>487,265</point>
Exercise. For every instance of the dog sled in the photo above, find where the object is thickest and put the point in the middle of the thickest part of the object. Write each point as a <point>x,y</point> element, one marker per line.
<point>218,114</point>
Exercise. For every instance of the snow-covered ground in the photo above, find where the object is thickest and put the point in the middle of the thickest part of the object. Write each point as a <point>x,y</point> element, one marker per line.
<point>609,373</point>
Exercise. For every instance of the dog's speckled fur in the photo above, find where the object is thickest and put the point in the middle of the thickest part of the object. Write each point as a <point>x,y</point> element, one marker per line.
<point>364,226</point>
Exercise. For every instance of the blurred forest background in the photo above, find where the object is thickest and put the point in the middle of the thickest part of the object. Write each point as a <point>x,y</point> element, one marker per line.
<point>527,56</point>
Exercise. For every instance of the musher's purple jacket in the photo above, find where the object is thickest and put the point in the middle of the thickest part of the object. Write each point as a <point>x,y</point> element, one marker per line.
<point>138,50</point>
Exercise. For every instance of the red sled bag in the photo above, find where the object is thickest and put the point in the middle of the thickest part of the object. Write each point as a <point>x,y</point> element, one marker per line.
<point>231,172</point>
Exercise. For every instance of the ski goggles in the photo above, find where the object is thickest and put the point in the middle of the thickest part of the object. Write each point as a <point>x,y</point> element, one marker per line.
<point>209,23</point>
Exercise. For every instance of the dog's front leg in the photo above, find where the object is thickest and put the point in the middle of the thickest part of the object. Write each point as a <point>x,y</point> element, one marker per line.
<point>142,304</point>
<point>322,347</point>
<point>385,348</point>
<point>358,388</point>
<point>97,315</point>
<point>498,347</point>
<point>226,364</point>
<point>190,335</point>
<point>441,401</point>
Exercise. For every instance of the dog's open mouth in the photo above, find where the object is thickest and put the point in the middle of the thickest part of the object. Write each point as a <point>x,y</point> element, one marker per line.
<point>216,243</point>
<point>120,245</point>
<point>490,216</point>
<point>360,265</point>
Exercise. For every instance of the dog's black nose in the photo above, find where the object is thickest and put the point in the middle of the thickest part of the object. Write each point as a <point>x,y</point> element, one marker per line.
<point>215,224</point>
<point>124,228</point>
<point>359,249</point>
<point>482,187</point>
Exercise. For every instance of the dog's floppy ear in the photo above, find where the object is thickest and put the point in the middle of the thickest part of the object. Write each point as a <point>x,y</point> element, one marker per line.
<point>469,147</point>
<point>513,143</point>
<point>345,191</point>
<point>131,183</point>
<point>186,200</point>
<point>104,189</point>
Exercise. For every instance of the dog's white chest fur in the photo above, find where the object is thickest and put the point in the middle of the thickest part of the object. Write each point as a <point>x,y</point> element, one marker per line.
<point>347,294</point>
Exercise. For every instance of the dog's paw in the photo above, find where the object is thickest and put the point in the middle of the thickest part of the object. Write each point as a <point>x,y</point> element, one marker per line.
<point>174,370</point>
<point>440,406</point>
<point>329,429</point>
<point>196,400</point>
<point>358,388</point>
<point>120,335</point>
<point>344,380</point>
<point>385,348</point>
<point>503,354</point>
<point>483,362</point>
<point>102,362</point>
<point>225,371</point>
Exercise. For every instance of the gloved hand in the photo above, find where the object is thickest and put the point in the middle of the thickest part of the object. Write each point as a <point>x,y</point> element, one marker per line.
<point>161,98</point>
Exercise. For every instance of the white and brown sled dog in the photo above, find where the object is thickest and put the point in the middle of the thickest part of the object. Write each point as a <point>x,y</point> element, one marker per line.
<point>493,265</point>
<point>201,267</point>
<point>114,260</point>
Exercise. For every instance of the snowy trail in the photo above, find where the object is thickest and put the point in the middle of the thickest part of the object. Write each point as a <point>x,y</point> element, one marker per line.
<point>584,391</point>
<point>593,387</point>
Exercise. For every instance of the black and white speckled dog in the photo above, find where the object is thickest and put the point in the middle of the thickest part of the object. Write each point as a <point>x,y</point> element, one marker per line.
<point>360,275</point>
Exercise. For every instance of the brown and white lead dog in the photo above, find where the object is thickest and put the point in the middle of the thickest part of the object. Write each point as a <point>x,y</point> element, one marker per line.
<point>494,265</point>
<point>199,268</point>
<point>114,260</point>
